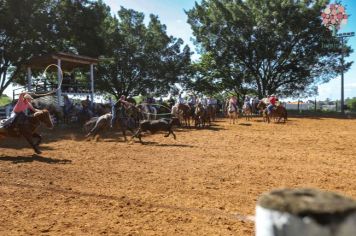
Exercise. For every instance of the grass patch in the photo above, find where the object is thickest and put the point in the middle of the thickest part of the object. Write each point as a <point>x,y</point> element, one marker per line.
<point>4,100</point>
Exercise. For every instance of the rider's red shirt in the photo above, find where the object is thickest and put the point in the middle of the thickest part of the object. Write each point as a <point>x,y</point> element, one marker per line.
<point>22,105</point>
<point>272,100</point>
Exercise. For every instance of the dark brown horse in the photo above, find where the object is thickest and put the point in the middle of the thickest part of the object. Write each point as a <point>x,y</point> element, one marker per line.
<point>278,113</point>
<point>26,127</point>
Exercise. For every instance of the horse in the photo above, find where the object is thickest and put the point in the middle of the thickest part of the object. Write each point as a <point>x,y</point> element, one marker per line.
<point>99,124</point>
<point>232,111</point>
<point>175,112</point>
<point>27,126</point>
<point>211,111</point>
<point>200,116</point>
<point>163,111</point>
<point>147,113</point>
<point>278,112</point>
<point>262,106</point>
<point>247,111</point>
<point>134,113</point>
<point>186,113</point>
<point>101,109</point>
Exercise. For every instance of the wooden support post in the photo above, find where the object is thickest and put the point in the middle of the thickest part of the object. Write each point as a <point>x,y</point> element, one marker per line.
<point>29,79</point>
<point>92,83</point>
<point>306,212</point>
<point>59,75</point>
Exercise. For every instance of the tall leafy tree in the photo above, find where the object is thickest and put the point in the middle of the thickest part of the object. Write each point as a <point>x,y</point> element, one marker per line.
<point>31,28</point>
<point>142,59</point>
<point>23,33</point>
<point>266,46</point>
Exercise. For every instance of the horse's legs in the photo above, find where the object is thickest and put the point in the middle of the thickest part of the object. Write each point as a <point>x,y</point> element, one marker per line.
<point>137,135</point>
<point>36,135</point>
<point>29,140</point>
<point>124,133</point>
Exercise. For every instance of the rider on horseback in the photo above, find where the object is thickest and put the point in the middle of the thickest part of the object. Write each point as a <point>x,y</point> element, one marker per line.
<point>150,101</point>
<point>233,102</point>
<point>192,101</point>
<point>122,110</point>
<point>272,103</point>
<point>247,103</point>
<point>22,105</point>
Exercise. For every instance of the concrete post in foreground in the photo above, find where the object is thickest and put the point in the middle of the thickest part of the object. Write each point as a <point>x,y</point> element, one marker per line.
<point>307,212</point>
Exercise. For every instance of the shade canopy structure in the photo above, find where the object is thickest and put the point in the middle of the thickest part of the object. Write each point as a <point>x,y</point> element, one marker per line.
<point>64,62</point>
<point>68,61</point>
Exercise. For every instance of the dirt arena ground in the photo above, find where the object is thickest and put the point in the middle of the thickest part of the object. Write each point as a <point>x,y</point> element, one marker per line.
<point>206,182</point>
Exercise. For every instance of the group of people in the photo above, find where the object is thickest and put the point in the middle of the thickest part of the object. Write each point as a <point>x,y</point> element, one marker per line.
<point>271,102</point>
<point>193,100</point>
<point>24,104</point>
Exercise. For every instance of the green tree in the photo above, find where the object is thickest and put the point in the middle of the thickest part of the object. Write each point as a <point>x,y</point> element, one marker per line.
<point>266,46</point>
<point>31,28</point>
<point>142,59</point>
<point>351,103</point>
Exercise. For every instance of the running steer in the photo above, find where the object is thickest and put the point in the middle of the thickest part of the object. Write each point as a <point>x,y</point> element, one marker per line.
<point>156,125</point>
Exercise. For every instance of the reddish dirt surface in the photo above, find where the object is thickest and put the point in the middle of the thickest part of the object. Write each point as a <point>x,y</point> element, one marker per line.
<point>204,183</point>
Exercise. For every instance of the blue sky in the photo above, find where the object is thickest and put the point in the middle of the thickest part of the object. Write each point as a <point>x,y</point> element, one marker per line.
<point>171,13</point>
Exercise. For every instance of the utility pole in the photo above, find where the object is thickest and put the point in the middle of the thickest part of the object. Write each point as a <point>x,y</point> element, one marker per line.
<point>342,38</point>
<point>334,15</point>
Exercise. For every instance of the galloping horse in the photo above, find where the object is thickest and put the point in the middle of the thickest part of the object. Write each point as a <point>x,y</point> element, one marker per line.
<point>98,124</point>
<point>27,126</point>
<point>278,113</point>
<point>232,111</point>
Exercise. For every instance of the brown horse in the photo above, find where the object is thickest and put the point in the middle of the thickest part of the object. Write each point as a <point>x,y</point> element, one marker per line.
<point>277,113</point>
<point>186,112</point>
<point>27,126</point>
<point>200,116</point>
<point>232,112</point>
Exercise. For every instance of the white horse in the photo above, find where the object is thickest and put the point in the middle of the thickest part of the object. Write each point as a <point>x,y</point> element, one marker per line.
<point>232,111</point>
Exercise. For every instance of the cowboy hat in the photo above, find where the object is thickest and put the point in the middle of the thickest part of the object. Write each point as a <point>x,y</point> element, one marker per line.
<point>28,96</point>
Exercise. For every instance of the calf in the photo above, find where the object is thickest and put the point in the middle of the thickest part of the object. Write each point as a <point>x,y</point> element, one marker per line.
<point>154,126</point>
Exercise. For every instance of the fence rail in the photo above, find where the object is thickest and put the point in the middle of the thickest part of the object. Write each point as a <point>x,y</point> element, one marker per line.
<point>2,113</point>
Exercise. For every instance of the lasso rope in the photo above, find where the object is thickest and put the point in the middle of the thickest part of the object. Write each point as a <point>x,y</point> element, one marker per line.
<point>61,80</point>
<point>46,99</point>
<point>156,104</point>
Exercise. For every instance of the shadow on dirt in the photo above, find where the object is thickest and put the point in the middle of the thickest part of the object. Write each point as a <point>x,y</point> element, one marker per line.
<point>165,144</point>
<point>245,124</point>
<point>32,158</point>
